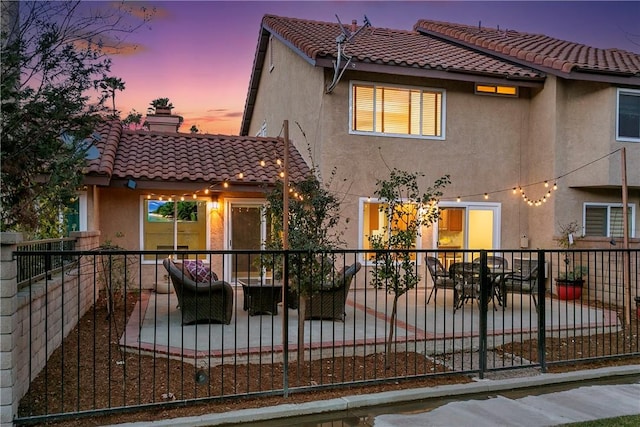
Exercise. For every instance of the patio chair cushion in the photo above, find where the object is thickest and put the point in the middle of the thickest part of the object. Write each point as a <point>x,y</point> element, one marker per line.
<point>184,270</point>
<point>200,272</point>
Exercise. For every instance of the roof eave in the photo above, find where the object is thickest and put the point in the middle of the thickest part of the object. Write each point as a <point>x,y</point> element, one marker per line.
<point>444,74</point>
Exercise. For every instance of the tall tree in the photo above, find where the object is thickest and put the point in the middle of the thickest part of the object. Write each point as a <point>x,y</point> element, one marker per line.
<point>53,53</point>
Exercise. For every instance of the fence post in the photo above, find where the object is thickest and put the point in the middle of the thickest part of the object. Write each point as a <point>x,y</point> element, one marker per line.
<point>285,325</point>
<point>542,333</point>
<point>8,328</point>
<point>484,305</point>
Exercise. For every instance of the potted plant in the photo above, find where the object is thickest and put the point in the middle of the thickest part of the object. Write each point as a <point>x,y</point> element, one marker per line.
<point>160,106</point>
<point>571,277</point>
<point>569,283</point>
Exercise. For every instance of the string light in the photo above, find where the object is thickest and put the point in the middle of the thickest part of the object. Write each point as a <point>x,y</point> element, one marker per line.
<point>486,195</point>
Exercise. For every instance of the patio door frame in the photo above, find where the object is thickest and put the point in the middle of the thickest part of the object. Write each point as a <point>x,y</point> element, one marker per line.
<point>228,228</point>
<point>496,208</point>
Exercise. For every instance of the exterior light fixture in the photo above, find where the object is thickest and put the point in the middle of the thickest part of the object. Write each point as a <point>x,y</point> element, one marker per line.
<point>214,202</point>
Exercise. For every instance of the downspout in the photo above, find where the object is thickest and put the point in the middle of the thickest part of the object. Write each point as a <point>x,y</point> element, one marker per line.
<point>95,223</point>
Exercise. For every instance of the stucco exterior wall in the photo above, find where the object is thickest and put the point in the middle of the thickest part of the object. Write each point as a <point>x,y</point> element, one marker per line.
<point>486,132</point>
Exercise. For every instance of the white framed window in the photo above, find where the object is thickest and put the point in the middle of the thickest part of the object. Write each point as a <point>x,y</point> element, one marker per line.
<point>605,219</point>
<point>172,225</point>
<point>398,111</point>
<point>75,214</point>
<point>628,115</point>
<point>375,222</point>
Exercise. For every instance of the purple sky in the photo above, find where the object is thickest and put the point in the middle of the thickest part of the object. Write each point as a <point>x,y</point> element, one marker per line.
<point>199,54</point>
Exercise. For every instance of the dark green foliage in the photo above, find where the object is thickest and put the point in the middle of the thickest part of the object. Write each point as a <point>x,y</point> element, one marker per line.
<point>53,53</point>
<point>314,213</point>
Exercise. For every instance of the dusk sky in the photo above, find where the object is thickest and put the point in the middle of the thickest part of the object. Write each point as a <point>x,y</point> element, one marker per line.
<point>199,54</point>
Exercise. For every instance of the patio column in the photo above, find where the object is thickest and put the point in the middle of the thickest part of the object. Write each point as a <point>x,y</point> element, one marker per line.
<point>9,399</point>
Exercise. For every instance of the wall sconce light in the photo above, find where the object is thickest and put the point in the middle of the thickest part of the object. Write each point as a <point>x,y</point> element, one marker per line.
<point>214,202</point>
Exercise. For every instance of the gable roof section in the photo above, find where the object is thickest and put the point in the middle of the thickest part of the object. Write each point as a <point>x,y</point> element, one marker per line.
<point>564,58</point>
<point>190,161</point>
<point>381,50</point>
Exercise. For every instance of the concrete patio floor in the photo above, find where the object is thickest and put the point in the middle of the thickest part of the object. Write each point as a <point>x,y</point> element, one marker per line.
<point>155,326</point>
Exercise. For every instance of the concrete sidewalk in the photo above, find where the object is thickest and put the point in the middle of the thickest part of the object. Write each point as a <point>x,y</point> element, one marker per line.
<point>579,404</point>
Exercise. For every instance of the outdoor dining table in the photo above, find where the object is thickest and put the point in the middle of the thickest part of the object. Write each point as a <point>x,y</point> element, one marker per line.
<point>470,275</point>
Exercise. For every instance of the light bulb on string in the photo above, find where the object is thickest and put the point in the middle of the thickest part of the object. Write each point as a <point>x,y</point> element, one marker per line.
<point>514,190</point>
<point>206,191</point>
<point>555,186</point>
<point>458,199</point>
<point>486,195</point>
<point>546,183</point>
<point>262,163</point>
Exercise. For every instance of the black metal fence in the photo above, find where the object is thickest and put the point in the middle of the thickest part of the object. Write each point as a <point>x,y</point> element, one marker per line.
<point>471,313</point>
<point>33,269</point>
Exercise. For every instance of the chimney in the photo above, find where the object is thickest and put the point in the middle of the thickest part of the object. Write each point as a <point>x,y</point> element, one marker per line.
<point>163,120</point>
<point>354,26</point>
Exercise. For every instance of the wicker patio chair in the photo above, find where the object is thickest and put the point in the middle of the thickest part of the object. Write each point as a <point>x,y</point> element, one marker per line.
<point>329,301</point>
<point>199,301</point>
<point>439,276</point>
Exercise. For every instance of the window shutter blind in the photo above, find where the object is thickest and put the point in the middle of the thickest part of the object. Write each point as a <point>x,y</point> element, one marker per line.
<point>363,108</point>
<point>595,221</point>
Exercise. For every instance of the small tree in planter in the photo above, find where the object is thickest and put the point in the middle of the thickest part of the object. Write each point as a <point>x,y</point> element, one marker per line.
<point>313,216</point>
<point>407,210</point>
<point>571,277</point>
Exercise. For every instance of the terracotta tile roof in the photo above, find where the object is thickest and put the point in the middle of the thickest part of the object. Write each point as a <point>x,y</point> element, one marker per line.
<point>391,47</point>
<point>190,158</point>
<point>538,49</point>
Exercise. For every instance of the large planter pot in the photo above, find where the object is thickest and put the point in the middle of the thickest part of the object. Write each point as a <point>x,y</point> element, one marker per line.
<point>569,289</point>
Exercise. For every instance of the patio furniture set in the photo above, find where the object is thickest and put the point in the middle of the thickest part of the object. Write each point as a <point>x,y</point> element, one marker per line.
<point>464,279</point>
<point>204,298</point>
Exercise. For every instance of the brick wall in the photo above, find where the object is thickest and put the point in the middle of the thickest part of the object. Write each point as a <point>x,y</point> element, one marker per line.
<point>35,319</point>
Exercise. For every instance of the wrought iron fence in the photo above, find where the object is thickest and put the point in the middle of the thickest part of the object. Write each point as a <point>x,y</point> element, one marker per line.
<point>150,341</point>
<point>35,267</point>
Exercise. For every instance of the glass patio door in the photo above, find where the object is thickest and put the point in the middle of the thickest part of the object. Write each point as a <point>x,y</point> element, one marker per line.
<point>468,226</point>
<point>483,227</point>
<point>246,230</point>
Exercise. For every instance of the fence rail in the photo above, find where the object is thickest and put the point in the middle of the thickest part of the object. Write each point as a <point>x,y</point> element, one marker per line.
<point>141,338</point>
<point>34,268</point>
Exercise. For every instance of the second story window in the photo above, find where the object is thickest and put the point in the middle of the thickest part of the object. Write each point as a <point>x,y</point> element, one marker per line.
<point>628,115</point>
<point>397,111</point>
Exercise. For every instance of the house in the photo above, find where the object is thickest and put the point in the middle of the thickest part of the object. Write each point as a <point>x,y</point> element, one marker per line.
<point>219,181</point>
<point>528,127</point>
